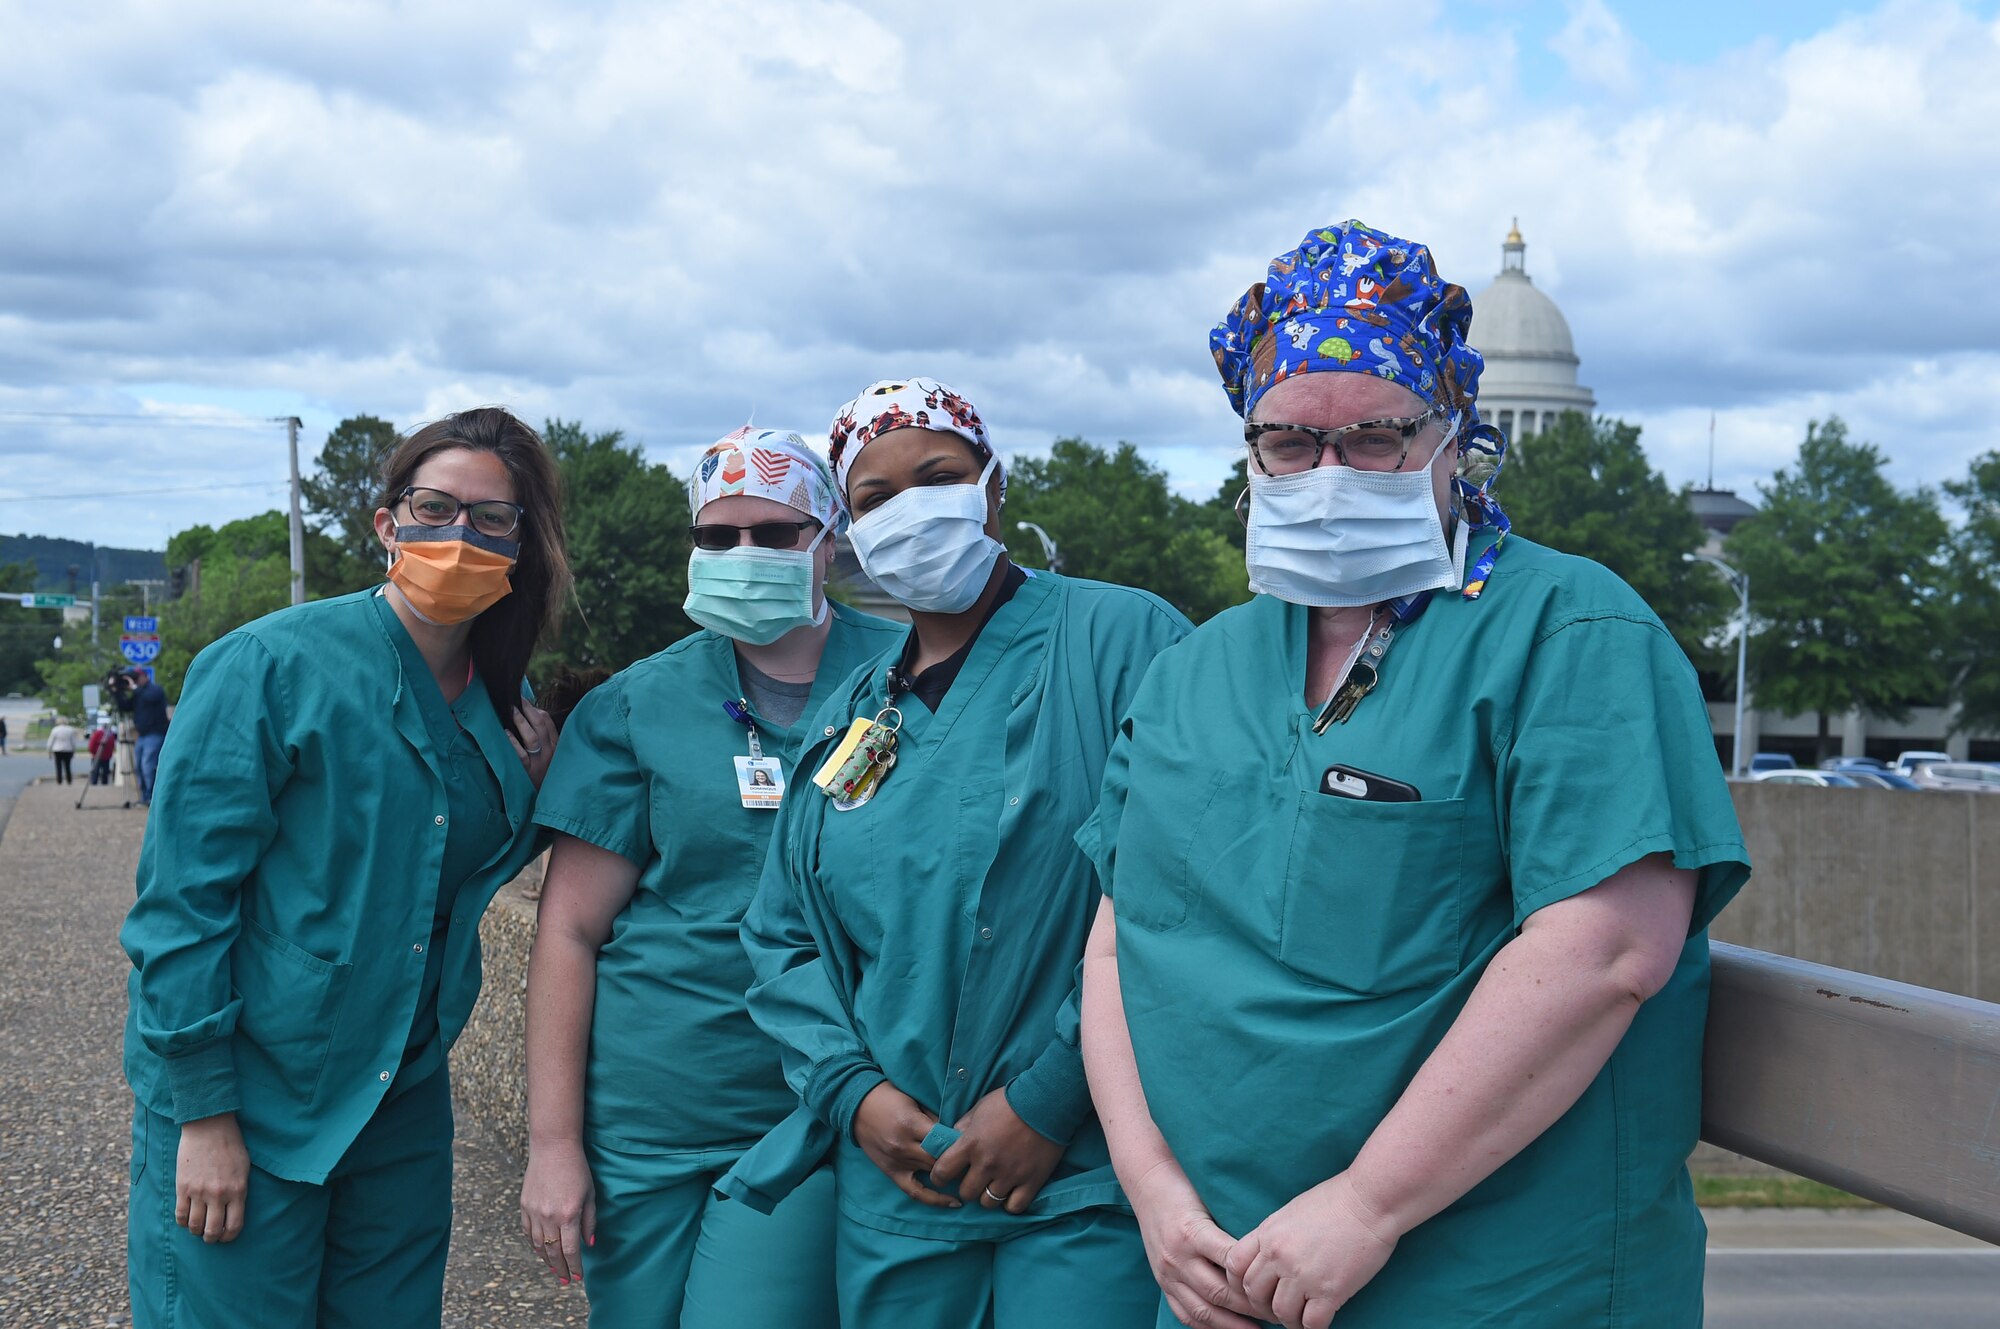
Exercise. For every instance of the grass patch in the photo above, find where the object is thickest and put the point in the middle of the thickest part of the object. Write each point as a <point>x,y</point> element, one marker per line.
<point>1773,1193</point>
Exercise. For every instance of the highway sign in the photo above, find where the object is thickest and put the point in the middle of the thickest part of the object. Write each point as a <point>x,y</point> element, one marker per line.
<point>40,600</point>
<point>142,627</point>
<point>139,650</point>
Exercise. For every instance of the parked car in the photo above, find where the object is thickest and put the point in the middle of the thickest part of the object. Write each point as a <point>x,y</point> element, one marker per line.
<point>1820,779</point>
<point>1975,776</point>
<point>1771,761</point>
<point>1881,779</point>
<point>1909,763</point>
<point>1854,764</point>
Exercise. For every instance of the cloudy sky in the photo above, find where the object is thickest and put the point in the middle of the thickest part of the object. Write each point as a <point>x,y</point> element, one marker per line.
<point>664,217</point>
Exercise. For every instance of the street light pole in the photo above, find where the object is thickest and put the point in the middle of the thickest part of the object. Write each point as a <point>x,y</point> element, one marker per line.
<point>1740,582</point>
<point>1049,551</point>
<point>298,522</point>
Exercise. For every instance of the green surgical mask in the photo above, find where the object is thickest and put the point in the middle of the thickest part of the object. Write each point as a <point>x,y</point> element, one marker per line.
<point>753,595</point>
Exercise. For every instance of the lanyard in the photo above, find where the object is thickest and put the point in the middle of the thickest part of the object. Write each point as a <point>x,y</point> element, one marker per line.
<point>1364,670</point>
<point>739,711</point>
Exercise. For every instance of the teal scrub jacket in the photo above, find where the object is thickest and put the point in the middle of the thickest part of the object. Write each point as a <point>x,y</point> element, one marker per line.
<point>1288,958</point>
<point>933,936</point>
<point>286,883</point>
<point>646,769</point>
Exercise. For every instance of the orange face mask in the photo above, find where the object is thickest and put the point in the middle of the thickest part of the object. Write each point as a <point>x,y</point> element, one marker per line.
<point>449,574</point>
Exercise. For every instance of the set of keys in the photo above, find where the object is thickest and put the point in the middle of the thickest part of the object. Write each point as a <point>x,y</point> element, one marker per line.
<point>853,771</point>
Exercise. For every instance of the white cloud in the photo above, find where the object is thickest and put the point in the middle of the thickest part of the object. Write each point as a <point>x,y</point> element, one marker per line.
<point>1595,47</point>
<point>657,216</point>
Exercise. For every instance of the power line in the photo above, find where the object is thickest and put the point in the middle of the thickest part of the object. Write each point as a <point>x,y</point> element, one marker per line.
<point>143,493</point>
<point>115,419</point>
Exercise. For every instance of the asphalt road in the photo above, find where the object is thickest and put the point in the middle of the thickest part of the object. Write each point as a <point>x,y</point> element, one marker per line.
<point>1847,1289</point>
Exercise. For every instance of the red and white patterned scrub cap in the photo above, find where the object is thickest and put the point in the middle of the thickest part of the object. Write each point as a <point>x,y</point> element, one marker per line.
<point>905,403</point>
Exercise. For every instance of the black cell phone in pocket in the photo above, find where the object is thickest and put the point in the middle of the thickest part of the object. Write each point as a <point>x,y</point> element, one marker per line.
<point>1352,782</point>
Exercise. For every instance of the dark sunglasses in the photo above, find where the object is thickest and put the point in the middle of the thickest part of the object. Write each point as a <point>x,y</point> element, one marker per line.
<point>715,536</point>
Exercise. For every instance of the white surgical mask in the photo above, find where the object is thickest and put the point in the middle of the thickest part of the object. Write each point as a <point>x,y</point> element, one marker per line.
<point>928,547</point>
<point>753,595</point>
<point>1334,536</point>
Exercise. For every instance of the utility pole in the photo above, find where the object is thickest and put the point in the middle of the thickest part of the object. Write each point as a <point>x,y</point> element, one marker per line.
<point>298,522</point>
<point>96,594</point>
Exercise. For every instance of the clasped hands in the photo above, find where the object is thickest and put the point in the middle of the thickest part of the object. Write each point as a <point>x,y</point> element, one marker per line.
<point>998,1160</point>
<point>1298,1267</point>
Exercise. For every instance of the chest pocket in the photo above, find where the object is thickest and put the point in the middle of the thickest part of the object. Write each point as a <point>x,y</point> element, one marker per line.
<point>1371,893</point>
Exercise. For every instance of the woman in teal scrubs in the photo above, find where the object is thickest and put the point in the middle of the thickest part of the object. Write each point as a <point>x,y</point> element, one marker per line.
<point>916,952</point>
<point>1395,1014</point>
<point>646,1078</point>
<point>347,784</point>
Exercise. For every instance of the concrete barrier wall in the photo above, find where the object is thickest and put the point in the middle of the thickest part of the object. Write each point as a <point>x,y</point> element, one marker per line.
<point>1905,886</point>
<point>488,1069</point>
<point>1902,885</point>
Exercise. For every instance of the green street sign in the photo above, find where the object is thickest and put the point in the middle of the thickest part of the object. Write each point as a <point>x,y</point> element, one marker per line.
<point>36,600</point>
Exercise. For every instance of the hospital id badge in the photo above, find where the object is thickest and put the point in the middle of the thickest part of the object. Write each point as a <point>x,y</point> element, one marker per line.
<point>853,771</point>
<point>761,781</point>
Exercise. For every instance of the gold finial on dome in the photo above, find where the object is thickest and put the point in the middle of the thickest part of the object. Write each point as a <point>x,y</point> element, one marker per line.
<point>1514,235</point>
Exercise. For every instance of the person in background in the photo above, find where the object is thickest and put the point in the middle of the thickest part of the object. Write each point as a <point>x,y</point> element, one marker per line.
<point>149,719</point>
<point>103,750</point>
<point>62,748</point>
<point>3,735</point>
<point>646,1078</point>
<point>351,782</point>
<point>1394,1010</point>
<point>917,933</point>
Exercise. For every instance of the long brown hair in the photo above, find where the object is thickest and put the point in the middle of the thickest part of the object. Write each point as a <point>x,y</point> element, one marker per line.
<point>503,636</point>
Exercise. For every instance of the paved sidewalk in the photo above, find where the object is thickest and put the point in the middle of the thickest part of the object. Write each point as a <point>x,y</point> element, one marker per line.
<point>66,1114</point>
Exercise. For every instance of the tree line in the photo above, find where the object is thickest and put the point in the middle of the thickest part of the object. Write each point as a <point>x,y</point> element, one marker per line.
<point>1863,596</point>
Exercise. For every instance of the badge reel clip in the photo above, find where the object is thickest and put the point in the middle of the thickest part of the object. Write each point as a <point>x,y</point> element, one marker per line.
<point>854,771</point>
<point>760,780</point>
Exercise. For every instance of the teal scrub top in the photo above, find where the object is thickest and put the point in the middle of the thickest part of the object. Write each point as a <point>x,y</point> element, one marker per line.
<point>288,881</point>
<point>933,936</point>
<point>1288,958</point>
<point>475,829</point>
<point>646,769</point>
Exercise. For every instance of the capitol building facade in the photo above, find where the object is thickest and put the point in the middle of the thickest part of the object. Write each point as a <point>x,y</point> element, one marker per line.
<point>1531,364</point>
<point>1530,379</point>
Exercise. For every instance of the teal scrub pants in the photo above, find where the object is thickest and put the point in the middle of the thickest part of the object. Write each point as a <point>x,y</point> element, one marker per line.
<point>365,1250</point>
<point>671,1254</point>
<point>1082,1271</point>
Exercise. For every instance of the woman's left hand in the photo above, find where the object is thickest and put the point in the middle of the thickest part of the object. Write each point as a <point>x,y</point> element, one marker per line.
<point>1302,1263</point>
<point>1005,1161</point>
<point>533,735</point>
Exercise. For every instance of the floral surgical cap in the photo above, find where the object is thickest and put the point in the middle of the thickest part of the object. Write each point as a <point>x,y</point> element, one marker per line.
<point>905,403</point>
<point>1352,299</point>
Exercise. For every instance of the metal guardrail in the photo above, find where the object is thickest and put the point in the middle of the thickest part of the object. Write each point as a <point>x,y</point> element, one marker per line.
<point>1883,1089</point>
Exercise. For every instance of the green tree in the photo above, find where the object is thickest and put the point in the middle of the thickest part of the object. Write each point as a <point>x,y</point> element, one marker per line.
<point>1972,582</point>
<point>24,633</point>
<point>1585,487</point>
<point>1844,582</point>
<point>344,486</point>
<point>1221,509</point>
<point>627,520</point>
<point>1114,519</point>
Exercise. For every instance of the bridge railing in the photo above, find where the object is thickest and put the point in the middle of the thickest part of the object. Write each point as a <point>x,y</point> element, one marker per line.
<point>1883,1089</point>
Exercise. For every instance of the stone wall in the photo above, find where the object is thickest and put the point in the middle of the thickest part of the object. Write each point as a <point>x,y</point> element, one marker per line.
<point>1904,885</point>
<point>489,1079</point>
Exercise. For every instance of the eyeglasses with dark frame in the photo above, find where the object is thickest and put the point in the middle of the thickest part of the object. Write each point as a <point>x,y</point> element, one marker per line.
<point>489,516</point>
<point>717,536</point>
<point>1367,445</point>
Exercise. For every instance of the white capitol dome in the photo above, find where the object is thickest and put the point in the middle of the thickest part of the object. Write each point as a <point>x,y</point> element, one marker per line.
<point>1531,364</point>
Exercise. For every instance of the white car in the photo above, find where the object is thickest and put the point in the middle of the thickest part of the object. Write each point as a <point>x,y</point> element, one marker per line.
<point>1971,775</point>
<point>1818,779</point>
<point>1909,763</point>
